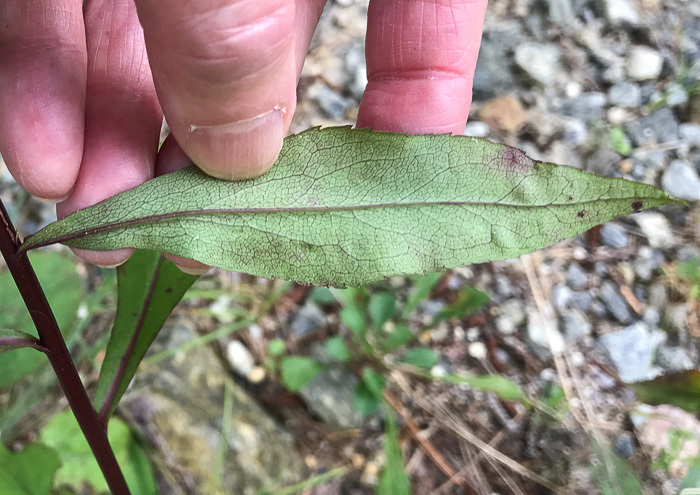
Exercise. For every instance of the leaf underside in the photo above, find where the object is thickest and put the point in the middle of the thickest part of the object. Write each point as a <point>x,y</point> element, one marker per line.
<point>345,207</point>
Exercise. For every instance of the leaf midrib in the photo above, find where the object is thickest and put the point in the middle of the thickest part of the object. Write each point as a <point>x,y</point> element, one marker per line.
<point>300,209</point>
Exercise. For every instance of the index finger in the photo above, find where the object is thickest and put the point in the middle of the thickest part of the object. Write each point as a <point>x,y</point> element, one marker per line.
<point>421,56</point>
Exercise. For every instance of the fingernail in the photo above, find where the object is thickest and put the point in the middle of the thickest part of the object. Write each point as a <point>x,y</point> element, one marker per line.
<point>109,267</point>
<point>51,201</point>
<point>238,150</point>
<point>194,271</point>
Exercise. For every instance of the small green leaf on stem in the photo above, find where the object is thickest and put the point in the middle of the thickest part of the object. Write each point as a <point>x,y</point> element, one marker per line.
<point>420,357</point>
<point>14,339</point>
<point>276,347</point>
<point>337,350</point>
<point>680,389</point>
<point>469,301</point>
<point>398,337</point>
<point>381,308</point>
<point>298,371</point>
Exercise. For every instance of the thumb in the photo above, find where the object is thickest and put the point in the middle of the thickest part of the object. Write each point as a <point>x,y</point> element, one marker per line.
<point>225,74</point>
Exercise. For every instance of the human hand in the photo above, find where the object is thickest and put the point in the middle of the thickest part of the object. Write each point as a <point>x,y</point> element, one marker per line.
<point>82,103</point>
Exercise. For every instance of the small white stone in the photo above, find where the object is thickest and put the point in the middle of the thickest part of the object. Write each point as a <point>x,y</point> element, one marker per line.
<point>656,228</point>
<point>239,358</point>
<point>477,350</point>
<point>643,63</point>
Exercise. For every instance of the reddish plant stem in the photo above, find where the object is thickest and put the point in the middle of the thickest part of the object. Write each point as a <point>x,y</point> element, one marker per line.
<point>51,339</point>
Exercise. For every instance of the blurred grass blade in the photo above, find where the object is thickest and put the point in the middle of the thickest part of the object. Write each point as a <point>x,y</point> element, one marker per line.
<point>149,287</point>
<point>346,207</point>
<point>611,474</point>
<point>393,479</point>
<point>422,287</point>
<point>680,389</point>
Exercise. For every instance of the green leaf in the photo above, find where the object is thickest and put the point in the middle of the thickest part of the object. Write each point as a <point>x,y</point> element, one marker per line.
<point>469,301</point>
<point>421,357</point>
<point>381,308</point>
<point>374,381</point>
<point>149,287</point>
<point>354,319</point>
<point>364,400</point>
<point>680,389</point>
<point>298,371</point>
<point>79,465</point>
<point>619,141</point>
<point>14,339</point>
<point>64,290</point>
<point>501,386</point>
<point>322,296</point>
<point>337,350</point>
<point>346,207</point>
<point>393,479</point>
<point>692,479</point>
<point>399,336</point>
<point>421,290</point>
<point>276,347</point>
<point>29,472</point>
<point>611,474</point>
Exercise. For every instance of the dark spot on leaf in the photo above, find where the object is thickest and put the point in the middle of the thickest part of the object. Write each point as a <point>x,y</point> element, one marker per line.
<point>637,206</point>
<point>571,198</point>
<point>581,213</point>
<point>168,290</point>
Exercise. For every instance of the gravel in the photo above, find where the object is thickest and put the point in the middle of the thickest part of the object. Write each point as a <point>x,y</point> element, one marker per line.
<point>614,235</point>
<point>631,350</point>
<point>643,63</point>
<point>613,300</point>
<point>682,181</point>
<point>540,61</point>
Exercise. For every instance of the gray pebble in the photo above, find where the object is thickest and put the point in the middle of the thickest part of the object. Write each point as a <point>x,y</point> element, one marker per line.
<point>561,12</point>
<point>656,228</point>
<point>308,319</point>
<point>614,235</point>
<point>540,61</point>
<point>625,94</point>
<point>624,445</point>
<point>690,133</point>
<point>660,126</point>
<point>561,295</point>
<point>576,277</point>
<point>658,295</point>
<point>682,181</point>
<point>541,341</point>
<point>621,12</point>
<point>676,95</point>
<point>582,300</point>
<point>643,63</point>
<point>334,105</point>
<point>673,359</point>
<point>588,107</point>
<point>686,253</point>
<point>631,350</point>
<point>512,315</point>
<point>576,325</point>
<point>610,295</point>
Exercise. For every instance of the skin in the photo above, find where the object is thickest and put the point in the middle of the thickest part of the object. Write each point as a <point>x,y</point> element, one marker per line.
<point>84,87</point>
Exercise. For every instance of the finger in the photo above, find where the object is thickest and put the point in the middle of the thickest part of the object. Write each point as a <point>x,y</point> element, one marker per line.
<point>42,101</point>
<point>122,116</point>
<point>225,71</point>
<point>421,56</point>
<point>170,159</point>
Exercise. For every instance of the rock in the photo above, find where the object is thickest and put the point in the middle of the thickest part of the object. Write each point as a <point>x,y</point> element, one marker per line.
<point>643,63</point>
<point>646,262</point>
<point>576,325</point>
<point>658,295</point>
<point>603,160</point>
<point>610,295</point>
<point>682,181</point>
<point>575,132</point>
<point>561,12</point>
<point>625,94</point>
<point>476,129</point>
<point>624,445</point>
<point>576,277</point>
<point>239,358</point>
<point>494,72</point>
<point>656,228</point>
<point>631,350</point>
<point>308,319</point>
<point>333,105</point>
<point>690,133</point>
<point>582,300</point>
<point>673,359</point>
<point>178,404</point>
<point>614,235</point>
<point>543,341</point>
<point>652,317</point>
<point>504,113</point>
<point>561,295</point>
<point>540,61</point>
<point>676,95</point>
<point>621,12</point>
<point>588,107</point>
<point>687,253</point>
<point>657,127</point>
<point>676,316</point>
<point>512,315</point>
<point>330,395</point>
